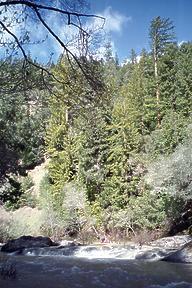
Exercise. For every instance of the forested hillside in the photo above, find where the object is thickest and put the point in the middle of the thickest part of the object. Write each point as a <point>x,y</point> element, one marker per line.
<point>119,146</point>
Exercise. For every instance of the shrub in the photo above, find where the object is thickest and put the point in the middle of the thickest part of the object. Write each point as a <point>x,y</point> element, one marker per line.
<point>23,221</point>
<point>51,216</point>
<point>143,212</point>
<point>170,177</point>
<point>10,191</point>
<point>147,211</point>
<point>64,215</point>
<point>26,183</point>
<point>17,193</point>
<point>4,224</point>
<point>172,174</point>
<point>27,198</point>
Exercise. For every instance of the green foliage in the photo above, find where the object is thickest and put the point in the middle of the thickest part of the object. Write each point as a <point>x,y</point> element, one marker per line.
<point>23,110</point>
<point>161,33</point>
<point>60,136</point>
<point>10,192</point>
<point>46,200</point>
<point>168,67</point>
<point>27,198</point>
<point>26,183</point>
<point>123,141</point>
<point>183,79</point>
<point>92,153</point>
<point>147,210</point>
<point>101,135</point>
<point>165,140</point>
<point>143,212</point>
<point>102,148</point>
<point>16,192</point>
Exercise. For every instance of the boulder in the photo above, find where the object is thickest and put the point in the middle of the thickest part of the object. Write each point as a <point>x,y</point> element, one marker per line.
<point>64,243</point>
<point>174,242</point>
<point>27,242</point>
<point>153,254</point>
<point>183,255</point>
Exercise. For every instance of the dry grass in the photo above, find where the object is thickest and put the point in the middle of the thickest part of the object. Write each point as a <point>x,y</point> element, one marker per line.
<point>23,221</point>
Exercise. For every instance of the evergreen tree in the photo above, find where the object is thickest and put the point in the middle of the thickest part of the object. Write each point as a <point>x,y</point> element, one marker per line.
<point>161,34</point>
<point>168,66</point>
<point>73,137</point>
<point>183,83</point>
<point>23,113</point>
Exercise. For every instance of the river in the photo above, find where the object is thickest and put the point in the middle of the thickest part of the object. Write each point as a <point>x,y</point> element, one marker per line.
<point>89,267</point>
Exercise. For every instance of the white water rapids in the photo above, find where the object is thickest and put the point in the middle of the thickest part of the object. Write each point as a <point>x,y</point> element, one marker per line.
<point>127,253</point>
<point>96,267</point>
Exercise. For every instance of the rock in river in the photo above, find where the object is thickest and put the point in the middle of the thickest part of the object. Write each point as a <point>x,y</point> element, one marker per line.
<point>26,242</point>
<point>183,255</point>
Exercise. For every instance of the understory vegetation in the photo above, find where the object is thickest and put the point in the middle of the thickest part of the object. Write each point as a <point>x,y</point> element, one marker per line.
<point>119,151</point>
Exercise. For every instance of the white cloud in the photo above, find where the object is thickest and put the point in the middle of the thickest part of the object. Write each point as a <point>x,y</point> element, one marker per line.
<point>114,20</point>
<point>181,42</point>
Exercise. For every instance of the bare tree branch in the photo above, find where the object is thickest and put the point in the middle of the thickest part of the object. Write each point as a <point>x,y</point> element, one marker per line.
<point>59,41</point>
<point>43,69</point>
<point>37,8</point>
<point>50,8</point>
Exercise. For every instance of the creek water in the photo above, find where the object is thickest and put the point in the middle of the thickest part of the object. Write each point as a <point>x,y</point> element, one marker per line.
<point>89,266</point>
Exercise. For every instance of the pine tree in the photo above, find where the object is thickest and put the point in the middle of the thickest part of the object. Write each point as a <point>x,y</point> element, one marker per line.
<point>161,34</point>
<point>168,66</point>
<point>23,114</point>
<point>59,138</point>
<point>183,80</point>
<point>74,135</point>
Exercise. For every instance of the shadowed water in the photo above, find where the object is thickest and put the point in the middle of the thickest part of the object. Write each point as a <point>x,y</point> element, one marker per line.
<point>94,267</point>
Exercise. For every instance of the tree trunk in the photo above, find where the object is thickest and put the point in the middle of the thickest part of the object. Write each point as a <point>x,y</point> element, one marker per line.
<point>157,90</point>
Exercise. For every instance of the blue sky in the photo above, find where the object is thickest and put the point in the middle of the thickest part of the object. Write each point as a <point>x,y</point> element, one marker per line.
<point>134,17</point>
<point>127,26</point>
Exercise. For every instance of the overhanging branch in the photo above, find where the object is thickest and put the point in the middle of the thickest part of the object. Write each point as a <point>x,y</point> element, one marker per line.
<point>24,54</point>
<point>50,8</point>
<point>37,8</point>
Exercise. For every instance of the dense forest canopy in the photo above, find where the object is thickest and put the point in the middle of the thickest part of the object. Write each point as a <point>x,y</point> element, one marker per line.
<point>117,137</point>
